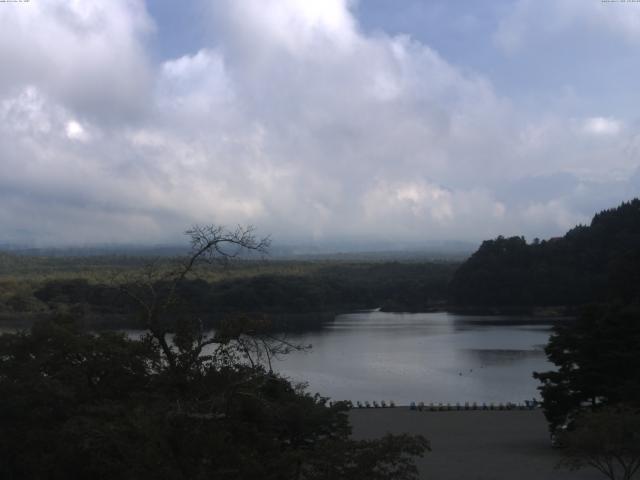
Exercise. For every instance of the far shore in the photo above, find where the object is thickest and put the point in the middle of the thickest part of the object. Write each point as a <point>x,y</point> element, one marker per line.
<point>539,311</point>
<point>288,321</point>
<point>474,445</point>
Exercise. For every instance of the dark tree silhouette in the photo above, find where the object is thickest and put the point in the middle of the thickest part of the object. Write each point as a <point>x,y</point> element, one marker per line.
<point>178,403</point>
<point>607,440</point>
<point>589,264</point>
<point>598,362</point>
<point>156,291</point>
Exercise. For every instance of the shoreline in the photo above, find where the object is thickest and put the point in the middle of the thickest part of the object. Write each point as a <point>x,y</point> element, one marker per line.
<point>290,322</point>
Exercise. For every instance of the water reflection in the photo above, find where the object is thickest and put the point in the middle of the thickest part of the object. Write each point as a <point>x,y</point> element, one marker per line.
<point>488,357</point>
<point>431,357</point>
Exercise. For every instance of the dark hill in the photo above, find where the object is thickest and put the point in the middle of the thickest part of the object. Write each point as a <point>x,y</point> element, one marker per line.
<point>599,262</point>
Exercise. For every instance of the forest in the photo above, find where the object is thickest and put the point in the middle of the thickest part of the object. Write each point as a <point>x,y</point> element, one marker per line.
<point>178,403</point>
<point>69,393</point>
<point>590,263</point>
<point>294,294</point>
<point>593,263</point>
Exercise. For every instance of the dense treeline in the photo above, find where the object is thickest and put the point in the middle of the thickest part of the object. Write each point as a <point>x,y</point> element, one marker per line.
<point>80,405</point>
<point>291,297</point>
<point>390,286</point>
<point>598,362</point>
<point>594,263</point>
<point>591,398</point>
<point>178,402</point>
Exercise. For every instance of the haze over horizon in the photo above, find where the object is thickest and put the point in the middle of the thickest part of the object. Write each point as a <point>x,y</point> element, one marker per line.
<point>316,121</point>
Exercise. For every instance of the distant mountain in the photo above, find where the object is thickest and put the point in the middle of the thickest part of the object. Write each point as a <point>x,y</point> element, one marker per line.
<point>599,262</point>
<point>342,251</point>
<point>97,250</point>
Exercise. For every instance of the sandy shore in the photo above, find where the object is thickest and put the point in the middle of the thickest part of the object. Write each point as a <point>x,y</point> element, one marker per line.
<point>474,445</point>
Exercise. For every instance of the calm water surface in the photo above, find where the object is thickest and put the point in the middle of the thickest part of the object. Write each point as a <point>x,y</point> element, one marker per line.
<point>430,357</point>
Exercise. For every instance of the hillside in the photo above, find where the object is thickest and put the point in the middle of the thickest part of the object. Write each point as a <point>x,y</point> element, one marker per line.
<point>598,262</point>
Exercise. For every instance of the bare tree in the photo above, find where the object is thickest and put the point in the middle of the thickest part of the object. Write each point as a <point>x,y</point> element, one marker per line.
<point>253,339</point>
<point>155,291</point>
<point>607,440</point>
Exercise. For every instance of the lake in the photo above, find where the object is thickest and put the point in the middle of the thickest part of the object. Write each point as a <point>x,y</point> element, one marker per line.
<point>429,357</point>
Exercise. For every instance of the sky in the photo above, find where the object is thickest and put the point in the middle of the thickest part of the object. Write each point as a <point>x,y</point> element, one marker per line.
<point>315,120</point>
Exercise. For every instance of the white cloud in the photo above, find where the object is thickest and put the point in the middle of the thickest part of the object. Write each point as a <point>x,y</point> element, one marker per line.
<point>415,209</point>
<point>195,82</point>
<point>296,26</point>
<point>87,54</point>
<point>24,112</point>
<point>552,214</point>
<point>75,131</point>
<point>294,120</point>
<point>420,200</point>
<point>602,126</point>
<point>532,20</point>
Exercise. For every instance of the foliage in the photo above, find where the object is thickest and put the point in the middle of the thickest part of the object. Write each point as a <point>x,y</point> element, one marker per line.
<point>61,393</point>
<point>607,440</point>
<point>301,291</point>
<point>176,404</point>
<point>77,405</point>
<point>591,263</point>
<point>295,295</point>
<point>598,362</point>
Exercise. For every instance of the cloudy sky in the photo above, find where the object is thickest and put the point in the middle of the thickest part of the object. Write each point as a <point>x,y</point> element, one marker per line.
<point>315,120</point>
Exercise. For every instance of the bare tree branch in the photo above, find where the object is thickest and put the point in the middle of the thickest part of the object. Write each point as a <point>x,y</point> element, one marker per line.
<point>156,292</point>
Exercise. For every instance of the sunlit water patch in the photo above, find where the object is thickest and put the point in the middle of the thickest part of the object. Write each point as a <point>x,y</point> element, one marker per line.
<point>430,357</point>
